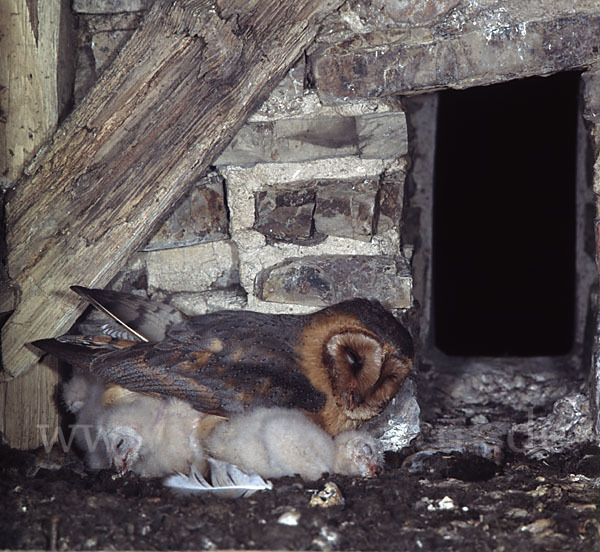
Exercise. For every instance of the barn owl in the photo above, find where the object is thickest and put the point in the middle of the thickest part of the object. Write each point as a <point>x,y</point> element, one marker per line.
<point>275,442</point>
<point>340,366</point>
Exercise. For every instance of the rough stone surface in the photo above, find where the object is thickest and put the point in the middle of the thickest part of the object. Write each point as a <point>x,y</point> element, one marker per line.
<point>109,6</point>
<point>106,46</point>
<point>101,37</point>
<point>294,140</point>
<point>347,209</point>
<point>194,304</point>
<point>85,76</point>
<point>591,114</point>
<point>382,135</point>
<point>399,424</point>
<point>475,43</point>
<point>391,189</point>
<point>324,280</point>
<point>570,423</point>
<point>595,385</point>
<point>286,214</point>
<point>287,99</point>
<point>416,12</point>
<point>509,386</point>
<point>486,441</point>
<point>106,23</point>
<point>195,268</point>
<point>200,218</point>
<point>360,17</point>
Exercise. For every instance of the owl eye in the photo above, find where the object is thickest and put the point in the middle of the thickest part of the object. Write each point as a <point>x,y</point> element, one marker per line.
<point>120,444</point>
<point>353,359</point>
<point>367,450</point>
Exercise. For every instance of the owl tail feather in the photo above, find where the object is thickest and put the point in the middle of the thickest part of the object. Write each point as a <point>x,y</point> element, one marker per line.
<point>144,319</point>
<point>78,355</point>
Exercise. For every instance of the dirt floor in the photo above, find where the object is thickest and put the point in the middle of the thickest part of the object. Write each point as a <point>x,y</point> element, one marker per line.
<point>459,503</point>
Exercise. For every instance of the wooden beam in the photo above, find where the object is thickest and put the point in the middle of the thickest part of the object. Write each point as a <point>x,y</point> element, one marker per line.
<point>30,102</point>
<point>169,104</point>
<point>29,35</point>
<point>29,409</point>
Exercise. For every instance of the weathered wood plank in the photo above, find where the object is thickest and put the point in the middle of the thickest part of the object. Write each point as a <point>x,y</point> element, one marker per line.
<point>28,402</point>
<point>30,102</point>
<point>29,35</point>
<point>171,101</point>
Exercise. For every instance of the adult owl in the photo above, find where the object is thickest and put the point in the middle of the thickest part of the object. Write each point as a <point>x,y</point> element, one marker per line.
<point>340,365</point>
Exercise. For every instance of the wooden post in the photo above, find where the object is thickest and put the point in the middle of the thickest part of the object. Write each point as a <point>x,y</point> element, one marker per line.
<point>169,104</point>
<point>29,105</point>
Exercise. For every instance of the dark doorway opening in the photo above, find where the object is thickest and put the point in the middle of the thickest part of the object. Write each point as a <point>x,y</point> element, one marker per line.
<point>503,268</point>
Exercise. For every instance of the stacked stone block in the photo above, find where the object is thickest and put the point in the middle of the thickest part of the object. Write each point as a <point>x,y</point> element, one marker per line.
<point>302,209</point>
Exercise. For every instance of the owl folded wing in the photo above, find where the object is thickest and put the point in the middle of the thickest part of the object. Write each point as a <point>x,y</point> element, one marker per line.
<point>213,378</point>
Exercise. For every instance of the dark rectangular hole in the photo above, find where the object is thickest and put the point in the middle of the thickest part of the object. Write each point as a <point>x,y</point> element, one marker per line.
<point>503,263</point>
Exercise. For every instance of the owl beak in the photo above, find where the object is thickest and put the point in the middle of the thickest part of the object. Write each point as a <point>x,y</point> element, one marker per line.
<point>353,400</point>
<point>374,470</point>
<point>122,464</point>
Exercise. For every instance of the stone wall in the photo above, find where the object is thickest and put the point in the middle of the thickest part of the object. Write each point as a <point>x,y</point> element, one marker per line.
<point>301,210</point>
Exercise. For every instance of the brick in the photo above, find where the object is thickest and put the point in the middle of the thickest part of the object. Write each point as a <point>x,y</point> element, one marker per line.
<point>347,209</point>
<point>196,268</point>
<point>285,215</point>
<point>327,279</point>
<point>200,218</point>
<point>371,136</point>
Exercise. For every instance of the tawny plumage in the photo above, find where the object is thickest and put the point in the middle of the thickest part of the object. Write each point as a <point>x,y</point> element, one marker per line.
<point>340,365</point>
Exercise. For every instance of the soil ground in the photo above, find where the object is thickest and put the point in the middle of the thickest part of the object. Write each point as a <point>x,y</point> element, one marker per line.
<point>53,503</point>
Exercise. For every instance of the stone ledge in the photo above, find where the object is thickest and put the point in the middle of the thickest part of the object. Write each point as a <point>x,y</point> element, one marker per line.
<point>478,51</point>
<point>327,279</point>
<point>372,136</point>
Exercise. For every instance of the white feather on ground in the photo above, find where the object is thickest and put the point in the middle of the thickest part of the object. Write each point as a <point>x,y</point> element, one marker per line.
<point>227,481</point>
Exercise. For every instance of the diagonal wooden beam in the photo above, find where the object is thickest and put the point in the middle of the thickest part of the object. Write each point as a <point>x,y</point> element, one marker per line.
<point>169,104</point>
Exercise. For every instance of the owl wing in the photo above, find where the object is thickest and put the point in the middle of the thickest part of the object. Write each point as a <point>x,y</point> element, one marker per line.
<point>142,318</point>
<point>213,377</point>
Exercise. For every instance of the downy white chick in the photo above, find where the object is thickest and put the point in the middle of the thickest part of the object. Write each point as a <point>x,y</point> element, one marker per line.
<point>150,436</point>
<point>82,396</point>
<point>275,442</point>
